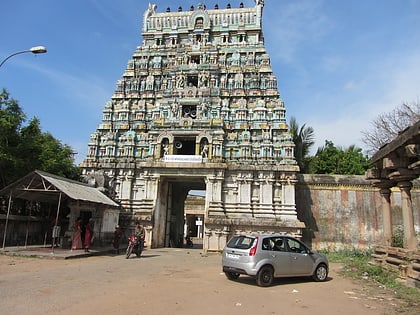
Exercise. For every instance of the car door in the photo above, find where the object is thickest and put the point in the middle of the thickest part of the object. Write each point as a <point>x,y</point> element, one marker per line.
<point>301,262</point>
<point>279,257</point>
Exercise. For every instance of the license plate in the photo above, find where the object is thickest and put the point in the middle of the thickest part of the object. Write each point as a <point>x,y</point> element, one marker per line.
<point>233,256</point>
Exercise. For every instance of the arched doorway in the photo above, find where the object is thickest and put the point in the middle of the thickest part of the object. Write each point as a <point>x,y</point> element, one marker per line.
<point>172,222</point>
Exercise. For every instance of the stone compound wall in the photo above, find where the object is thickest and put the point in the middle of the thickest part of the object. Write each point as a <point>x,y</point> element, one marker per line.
<point>345,211</point>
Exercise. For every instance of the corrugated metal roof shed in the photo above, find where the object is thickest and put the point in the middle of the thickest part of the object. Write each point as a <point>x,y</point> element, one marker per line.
<point>46,187</point>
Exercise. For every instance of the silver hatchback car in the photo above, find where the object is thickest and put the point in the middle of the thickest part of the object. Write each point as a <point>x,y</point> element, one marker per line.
<point>272,255</point>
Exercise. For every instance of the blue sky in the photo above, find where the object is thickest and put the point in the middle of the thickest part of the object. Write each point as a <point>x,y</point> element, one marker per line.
<point>339,63</point>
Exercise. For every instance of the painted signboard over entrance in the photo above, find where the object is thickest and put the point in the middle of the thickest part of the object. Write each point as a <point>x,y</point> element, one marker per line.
<point>183,158</point>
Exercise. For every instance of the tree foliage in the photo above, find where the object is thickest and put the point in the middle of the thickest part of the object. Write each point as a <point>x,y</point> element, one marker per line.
<point>330,159</point>
<point>24,148</point>
<point>387,126</point>
<point>303,138</point>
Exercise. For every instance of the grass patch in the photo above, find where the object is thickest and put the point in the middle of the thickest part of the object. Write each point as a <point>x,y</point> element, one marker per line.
<point>357,265</point>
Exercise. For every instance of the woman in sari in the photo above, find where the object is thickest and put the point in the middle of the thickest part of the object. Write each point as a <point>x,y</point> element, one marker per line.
<point>76,242</point>
<point>88,234</point>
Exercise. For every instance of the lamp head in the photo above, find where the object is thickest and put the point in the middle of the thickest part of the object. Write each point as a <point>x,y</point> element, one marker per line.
<point>38,50</point>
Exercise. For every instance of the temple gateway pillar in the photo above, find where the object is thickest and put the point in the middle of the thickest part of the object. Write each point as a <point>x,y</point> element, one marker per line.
<point>410,241</point>
<point>386,215</point>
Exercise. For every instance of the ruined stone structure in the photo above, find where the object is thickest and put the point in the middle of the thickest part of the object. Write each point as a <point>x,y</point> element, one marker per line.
<point>397,164</point>
<point>198,108</point>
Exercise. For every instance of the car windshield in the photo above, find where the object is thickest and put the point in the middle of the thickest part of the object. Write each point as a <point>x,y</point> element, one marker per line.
<point>241,242</point>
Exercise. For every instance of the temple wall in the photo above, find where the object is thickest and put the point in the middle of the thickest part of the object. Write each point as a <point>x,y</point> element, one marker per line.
<point>345,211</point>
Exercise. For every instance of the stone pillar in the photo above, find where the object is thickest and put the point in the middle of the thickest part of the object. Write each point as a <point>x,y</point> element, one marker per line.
<point>386,215</point>
<point>206,241</point>
<point>410,241</point>
<point>288,206</point>
<point>219,246</point>
<point>243,182</point>
<point>214,186</point>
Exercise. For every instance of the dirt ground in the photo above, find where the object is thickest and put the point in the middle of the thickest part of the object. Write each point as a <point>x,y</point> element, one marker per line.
<point>172,281</point>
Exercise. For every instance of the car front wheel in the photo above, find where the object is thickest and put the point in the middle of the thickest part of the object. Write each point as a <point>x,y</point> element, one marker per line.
<point>232,275</point>
<point>265,276</point>
<point>321,273</point>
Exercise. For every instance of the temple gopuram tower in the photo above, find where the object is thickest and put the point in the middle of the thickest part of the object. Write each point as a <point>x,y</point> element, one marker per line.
<point>197,108</point>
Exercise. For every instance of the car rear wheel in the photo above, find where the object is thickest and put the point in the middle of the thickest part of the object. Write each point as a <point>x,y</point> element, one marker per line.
<point>321,273</point>
<point>265,276</point>
<point>232,275</point>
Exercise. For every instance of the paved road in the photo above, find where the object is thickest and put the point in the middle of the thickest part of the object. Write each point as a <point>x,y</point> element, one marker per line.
<point>169,281</point>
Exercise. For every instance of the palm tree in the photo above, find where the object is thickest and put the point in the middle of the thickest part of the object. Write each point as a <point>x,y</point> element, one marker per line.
<point>303,139</point>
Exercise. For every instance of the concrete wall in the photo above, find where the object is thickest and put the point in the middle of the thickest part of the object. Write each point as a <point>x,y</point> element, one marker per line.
<point>345,211</point>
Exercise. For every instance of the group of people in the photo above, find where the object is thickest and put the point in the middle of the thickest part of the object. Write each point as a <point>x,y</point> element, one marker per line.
<point>88,235</point>
<point>77,235</point>
<point>139,231</point>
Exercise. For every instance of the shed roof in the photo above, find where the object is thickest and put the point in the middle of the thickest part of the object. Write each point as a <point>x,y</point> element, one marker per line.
<point>42,186</point>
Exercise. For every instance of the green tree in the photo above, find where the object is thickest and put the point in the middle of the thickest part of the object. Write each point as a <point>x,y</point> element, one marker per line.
<point>303,138</point>
<point>24,148</point>
<point>330,159</point>
<point>11,119</point>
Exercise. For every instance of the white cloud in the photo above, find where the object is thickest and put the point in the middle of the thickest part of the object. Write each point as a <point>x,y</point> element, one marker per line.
<point>405,79</point>
<point>332,63</point>
<point>342,132</point>
<point>350,85</point>
<point>84,90</point>
<point>293,24</point>
<point>387,83</point>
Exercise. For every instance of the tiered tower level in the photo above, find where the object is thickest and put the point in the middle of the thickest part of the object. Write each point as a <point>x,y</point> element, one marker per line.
<point>198,103</point>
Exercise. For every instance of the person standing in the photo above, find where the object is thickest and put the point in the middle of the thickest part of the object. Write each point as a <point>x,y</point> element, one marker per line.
<point>117,237</point>
<point>88,234</point>
<point>76,242</point>
<point>140,233</point>
<point>56,230</point>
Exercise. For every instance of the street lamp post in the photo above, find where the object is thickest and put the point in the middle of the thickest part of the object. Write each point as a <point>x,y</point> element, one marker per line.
<point>35,50</point>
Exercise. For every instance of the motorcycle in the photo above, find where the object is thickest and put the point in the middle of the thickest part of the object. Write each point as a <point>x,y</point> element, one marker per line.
<point>135,244</point>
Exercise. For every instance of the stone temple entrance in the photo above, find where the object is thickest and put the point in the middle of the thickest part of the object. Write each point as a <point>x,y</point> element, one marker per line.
<point>197,107</point>
<point>173,193</point>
